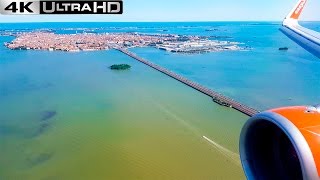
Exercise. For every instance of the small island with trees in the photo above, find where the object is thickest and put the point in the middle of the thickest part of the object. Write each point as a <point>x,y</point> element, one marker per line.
<point>283,49</point>
<point>120,67</point>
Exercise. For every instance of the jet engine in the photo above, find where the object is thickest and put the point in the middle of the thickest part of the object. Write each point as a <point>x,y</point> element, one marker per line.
<point>282,144</point>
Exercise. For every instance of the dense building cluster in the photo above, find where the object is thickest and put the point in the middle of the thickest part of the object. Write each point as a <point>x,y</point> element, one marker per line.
<point>103,41</point>
<point>86,41</point>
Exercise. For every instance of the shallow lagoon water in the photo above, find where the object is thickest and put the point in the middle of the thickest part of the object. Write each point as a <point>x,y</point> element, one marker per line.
<point>103,124</point>
<point>67,116</point>
<point>262,77</point>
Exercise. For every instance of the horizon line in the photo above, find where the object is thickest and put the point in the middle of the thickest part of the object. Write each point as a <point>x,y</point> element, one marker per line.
<point>20,22</point>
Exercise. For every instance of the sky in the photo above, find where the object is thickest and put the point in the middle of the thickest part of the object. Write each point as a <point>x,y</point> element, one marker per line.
<point>186,10</point>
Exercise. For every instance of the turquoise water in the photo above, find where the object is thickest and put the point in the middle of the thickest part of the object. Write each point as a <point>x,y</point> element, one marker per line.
<point>67,116</point>
<point>262,78</point>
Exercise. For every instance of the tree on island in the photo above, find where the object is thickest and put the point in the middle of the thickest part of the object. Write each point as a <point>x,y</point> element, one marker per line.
<point>120,67</point>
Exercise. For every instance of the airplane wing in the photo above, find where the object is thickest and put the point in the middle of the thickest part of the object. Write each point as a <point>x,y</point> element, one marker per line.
<point>306,38</point>
<point>284,143</point>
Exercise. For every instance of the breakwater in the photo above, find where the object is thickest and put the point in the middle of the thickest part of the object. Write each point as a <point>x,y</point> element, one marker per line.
<point>217,97</point>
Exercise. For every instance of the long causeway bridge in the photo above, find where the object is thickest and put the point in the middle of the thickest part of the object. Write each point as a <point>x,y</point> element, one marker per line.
<point>217,97</point>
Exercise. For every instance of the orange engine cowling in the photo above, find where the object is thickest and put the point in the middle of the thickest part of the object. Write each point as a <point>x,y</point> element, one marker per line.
<point>282,143</point>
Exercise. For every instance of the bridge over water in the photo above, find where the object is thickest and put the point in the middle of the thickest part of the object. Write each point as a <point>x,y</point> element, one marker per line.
<point>217,97</point>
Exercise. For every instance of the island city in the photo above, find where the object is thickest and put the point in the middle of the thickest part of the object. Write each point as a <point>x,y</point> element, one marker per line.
<point>104,41</point>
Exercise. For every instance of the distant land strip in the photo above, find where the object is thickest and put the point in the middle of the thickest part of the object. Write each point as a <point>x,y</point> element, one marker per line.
<point>217,97</point>
<point>104,41</point>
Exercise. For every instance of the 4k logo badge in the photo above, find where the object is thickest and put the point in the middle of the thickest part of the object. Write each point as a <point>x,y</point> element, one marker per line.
<point>25,7</point>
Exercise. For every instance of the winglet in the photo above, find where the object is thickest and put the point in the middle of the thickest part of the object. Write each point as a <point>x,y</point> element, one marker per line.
<point>306,38</point>
<point>296,11</point>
